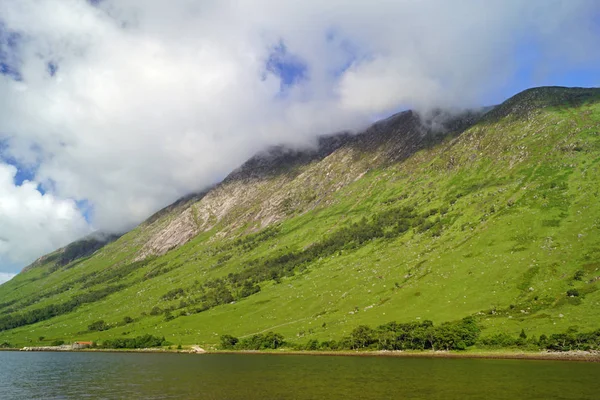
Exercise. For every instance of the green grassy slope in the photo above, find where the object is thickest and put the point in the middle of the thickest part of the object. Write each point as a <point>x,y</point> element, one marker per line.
<point>505,219</point>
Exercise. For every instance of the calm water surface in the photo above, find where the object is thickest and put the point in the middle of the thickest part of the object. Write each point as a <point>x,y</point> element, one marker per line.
<point>170,376</point>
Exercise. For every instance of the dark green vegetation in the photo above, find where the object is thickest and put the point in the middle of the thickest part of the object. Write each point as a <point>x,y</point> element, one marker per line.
<point>494,221</point>
<point>15,320</point>
<point>269,341</point>
<point>138,342</point>
<point>424,336</point>
<point>391,336</point>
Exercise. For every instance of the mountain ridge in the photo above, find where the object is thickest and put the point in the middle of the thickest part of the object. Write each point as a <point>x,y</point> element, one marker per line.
<point>279,161</point>
<point>272,159</point>
<point>493,219</point>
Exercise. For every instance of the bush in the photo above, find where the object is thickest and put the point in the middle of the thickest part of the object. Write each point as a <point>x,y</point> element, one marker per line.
<point>261,342</point>
<point>139,342</point>
<point>169,316</point>
<point>499,340</point>
<point>579,275</point>
<point>573,293</point>
<point>329,345</point>
<point>98,326</point>
<point>57,343</point>
<point>523,335</point>
<point>156,310</point>
<point>312,345</point>
<point>173,294</point>
<point>228,342</point>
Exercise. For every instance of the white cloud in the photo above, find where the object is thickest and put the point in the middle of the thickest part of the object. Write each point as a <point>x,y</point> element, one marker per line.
<point>32,224</point>
<point>5,277</point>
<point>154,99</point>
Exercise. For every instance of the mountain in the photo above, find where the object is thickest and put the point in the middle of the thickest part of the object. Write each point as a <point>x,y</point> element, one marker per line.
<point>492,214</point>
<point>77,250</point>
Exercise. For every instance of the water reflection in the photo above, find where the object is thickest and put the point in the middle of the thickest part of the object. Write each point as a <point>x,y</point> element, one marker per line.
<point>167,376</point>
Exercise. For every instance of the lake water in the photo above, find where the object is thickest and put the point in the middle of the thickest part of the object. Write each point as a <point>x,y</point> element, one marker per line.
<point>50,375</point>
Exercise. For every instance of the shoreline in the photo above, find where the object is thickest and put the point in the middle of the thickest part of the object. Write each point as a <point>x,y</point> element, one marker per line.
<point>582,356</point>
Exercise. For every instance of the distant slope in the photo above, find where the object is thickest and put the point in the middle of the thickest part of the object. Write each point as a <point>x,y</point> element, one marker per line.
<point>77,250</point>
<point>494,216</point>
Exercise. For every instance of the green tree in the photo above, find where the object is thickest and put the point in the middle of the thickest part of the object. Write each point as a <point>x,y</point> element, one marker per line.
<point>99,325</point>
<point>272,341</point>
<point>312,345</point>
<point>523,335</point>
<point>156,310</point>
<point>362,336</point>
<point>228,342</point>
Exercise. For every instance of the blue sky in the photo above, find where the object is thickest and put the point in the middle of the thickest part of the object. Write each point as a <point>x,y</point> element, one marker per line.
<point>115,109</point>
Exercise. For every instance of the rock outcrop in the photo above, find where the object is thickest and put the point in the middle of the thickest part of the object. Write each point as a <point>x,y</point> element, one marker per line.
<point>283,181</point>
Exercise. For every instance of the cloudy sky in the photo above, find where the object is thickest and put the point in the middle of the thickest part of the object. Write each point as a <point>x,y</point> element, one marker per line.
<point>112,109</point>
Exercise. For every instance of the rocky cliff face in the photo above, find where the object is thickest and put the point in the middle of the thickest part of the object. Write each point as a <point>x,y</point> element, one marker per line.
<point>281,181</point>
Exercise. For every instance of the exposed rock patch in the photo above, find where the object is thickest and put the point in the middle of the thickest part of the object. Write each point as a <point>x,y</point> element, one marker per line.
<point>280,182</point>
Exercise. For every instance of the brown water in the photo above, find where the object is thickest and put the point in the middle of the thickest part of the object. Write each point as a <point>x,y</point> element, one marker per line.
<point>175,376</point>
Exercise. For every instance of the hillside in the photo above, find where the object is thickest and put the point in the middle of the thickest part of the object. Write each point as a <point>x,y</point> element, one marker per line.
<point>492,214</point>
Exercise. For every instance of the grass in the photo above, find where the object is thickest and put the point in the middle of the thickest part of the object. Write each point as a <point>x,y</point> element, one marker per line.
<point>516,214</point>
